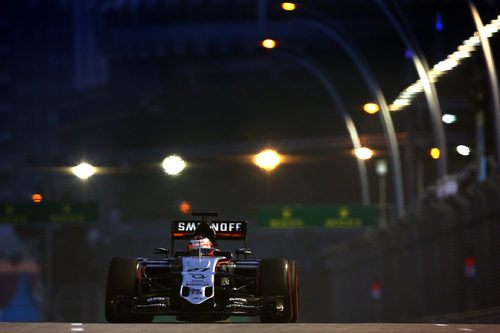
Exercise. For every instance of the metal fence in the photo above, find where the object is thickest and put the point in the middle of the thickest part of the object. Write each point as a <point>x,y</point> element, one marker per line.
<point>444,259</point>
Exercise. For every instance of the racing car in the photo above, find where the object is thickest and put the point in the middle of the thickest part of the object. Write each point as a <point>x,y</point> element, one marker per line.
<point>202,283</point>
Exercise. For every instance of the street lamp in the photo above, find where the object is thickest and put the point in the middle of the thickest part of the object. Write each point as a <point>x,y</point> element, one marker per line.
<point>173,165</point>
<point>269,43</point>
<point>435,153</point>
<point>463,150</point>
<point>288,6</point>
<point>343,112</point>
<point>363,153</point>
<point>427,85</point>
<point>84,170</point>
<point>377,95</point>
<point>449,118</point>
<point>371,108</point>
<point>483,33</point>
<point>268,159</point>
<point>36,197</point>
<point>381,170</point>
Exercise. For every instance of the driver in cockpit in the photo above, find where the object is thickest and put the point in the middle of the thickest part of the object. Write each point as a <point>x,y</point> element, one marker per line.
<point>203,240</point>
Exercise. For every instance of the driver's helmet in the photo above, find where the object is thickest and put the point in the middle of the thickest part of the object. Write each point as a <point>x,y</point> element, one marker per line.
<point>198,243</point>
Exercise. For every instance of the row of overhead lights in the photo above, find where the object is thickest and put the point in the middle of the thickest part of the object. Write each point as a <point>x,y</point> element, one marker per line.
<point>406,96</point>
<point>365,153</point>
<point>435,153</point>
<point>173,165</point>
<point>464,51</point>
<point>267,160</point>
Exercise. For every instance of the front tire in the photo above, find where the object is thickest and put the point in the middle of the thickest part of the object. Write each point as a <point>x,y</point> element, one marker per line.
<point>275,279</point>
<point>122,281</point>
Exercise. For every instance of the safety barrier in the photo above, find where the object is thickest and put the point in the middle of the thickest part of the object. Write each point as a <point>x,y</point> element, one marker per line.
<point>443,259</point>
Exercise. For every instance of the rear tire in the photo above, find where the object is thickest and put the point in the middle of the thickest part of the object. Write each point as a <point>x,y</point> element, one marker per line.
<point>275,280</point>
<point>122,281</point>
<point>295,290</point>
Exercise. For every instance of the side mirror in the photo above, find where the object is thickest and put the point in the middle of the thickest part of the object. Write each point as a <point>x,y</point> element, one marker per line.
<point>244,251</point>
<point>161,250</point>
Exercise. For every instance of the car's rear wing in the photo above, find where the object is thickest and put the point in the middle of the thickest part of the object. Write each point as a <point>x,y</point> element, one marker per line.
<point>224,230</point>
<point>235,230</point>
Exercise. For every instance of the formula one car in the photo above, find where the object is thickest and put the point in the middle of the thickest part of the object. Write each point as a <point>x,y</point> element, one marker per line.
<point>202,284</point>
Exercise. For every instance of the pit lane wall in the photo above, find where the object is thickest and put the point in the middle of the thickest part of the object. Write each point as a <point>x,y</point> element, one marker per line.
<point>444,259</point>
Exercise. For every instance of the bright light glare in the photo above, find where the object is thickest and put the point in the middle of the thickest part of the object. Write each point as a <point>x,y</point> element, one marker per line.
<point>185,207</point>
<point>371,108</point>
<point>288,6</point>
<point>83,170</point>
<point>173,165</point>
<point>267,159</point>
<point>269,43</point>
<point>381,167</point>
<point>463,150</point>
<point>439,22</point>
<point>363,153</point>
<point>449,118</point>
<point>435,153</point>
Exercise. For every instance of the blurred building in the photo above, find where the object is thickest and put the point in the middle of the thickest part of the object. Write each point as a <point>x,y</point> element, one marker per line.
<point>47,57</point>
<point>6,136</point>
<point>21,290</point>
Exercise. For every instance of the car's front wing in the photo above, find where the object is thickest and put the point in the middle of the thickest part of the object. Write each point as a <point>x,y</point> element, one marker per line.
<point>234,306</point>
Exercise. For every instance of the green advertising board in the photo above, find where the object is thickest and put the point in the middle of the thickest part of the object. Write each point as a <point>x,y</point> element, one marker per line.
<point>324,216</point>
<point>51,212</point>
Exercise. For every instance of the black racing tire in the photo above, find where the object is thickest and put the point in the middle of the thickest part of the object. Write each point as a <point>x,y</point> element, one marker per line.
<point>122,281</point>
<point>295,290</point>
<point>275,280</point>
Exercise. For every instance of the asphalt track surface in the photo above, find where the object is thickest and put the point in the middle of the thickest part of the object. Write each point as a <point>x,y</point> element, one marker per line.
<point>239,327</point>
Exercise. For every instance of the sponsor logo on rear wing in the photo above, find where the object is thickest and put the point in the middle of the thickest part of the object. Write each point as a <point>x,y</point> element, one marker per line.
<point>223,229</point>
